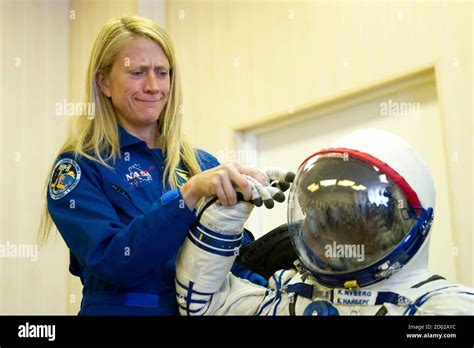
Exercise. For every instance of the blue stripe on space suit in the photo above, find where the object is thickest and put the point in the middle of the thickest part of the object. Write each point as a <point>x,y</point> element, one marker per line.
<point>122,235</point>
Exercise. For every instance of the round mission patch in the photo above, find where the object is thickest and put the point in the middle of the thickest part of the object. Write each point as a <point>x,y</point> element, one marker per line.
<point>66,175</point>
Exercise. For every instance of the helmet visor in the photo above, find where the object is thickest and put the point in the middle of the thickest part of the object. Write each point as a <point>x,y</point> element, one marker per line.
<point>344,214</point>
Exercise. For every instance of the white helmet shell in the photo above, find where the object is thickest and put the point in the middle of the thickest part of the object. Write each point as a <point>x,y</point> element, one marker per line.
<point>397,154</point>
<point>401,157</point>
<point>321,214</point>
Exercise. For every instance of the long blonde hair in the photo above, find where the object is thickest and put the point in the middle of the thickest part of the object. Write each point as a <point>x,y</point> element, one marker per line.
<point>97,139</point>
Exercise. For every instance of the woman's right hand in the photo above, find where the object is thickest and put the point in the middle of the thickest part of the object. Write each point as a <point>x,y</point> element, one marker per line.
<point>221,181</point>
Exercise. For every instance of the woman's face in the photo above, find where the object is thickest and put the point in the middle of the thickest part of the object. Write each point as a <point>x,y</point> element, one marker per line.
<point>138,83</point>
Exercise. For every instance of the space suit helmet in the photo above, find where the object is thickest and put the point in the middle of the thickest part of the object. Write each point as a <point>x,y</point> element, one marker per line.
<point>359,210</point>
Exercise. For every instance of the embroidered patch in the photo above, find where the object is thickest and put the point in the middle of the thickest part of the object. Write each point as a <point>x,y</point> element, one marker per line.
<point>66,175</point>
<point>137,177</point>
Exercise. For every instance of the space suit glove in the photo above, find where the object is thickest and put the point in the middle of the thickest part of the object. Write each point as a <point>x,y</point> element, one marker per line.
<point>277,181</point>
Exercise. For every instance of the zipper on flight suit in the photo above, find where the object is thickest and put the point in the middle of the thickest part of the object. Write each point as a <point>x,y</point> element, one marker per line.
<point>125,194</point>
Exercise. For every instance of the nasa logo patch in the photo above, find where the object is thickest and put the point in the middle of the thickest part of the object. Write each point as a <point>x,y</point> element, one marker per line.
<point>66,175</point>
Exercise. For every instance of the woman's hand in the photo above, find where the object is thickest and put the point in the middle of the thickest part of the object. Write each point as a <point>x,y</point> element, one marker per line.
<point>221,181</point>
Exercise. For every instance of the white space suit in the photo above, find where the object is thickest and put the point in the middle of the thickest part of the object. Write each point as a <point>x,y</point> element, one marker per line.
<point>370,189</point>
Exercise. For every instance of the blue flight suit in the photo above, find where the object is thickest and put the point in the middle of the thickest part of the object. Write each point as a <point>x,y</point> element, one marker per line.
<point>124,229</point>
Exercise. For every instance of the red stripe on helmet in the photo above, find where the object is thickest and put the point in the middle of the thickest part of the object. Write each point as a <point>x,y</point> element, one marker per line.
<point>410,194</point>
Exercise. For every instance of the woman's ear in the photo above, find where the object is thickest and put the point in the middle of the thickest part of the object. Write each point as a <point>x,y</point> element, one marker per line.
<point>102,82</point>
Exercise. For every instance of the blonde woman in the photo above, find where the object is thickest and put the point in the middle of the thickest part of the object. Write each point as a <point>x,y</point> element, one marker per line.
<point>124,187</point>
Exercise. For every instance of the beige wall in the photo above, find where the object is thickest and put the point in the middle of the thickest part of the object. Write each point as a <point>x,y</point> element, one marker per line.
<point>34,68</point>
<point>243,61</point>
